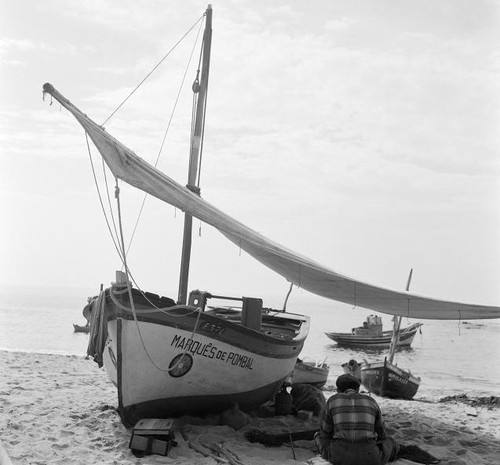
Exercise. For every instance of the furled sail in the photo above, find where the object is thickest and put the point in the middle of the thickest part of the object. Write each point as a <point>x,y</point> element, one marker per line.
<point>297,269</point>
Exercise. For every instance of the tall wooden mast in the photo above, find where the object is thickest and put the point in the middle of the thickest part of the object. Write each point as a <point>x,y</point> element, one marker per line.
<point>194,158</point>
<point>397,326</point>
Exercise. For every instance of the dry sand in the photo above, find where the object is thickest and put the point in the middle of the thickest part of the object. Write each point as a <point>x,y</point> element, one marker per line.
<point>61,409</point>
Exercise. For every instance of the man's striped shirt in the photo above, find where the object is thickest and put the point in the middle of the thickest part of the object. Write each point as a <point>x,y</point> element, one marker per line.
<point>352,417</point>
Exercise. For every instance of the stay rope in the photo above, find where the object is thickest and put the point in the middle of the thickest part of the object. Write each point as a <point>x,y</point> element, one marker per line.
<point>131,298</point>
<point>165,135</point>
<point>153,70</point>
<point>118,236</point>
<point>113,238</point>
<point>109,197</point>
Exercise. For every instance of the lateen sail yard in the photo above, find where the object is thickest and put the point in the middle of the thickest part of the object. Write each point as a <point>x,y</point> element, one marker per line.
<point>297,269</point>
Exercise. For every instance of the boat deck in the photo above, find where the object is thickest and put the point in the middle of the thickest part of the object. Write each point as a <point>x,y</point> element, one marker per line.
<point>273,323</point>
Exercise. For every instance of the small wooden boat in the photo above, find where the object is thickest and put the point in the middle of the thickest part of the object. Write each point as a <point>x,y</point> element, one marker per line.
<point>312,373</point>
<point>81,329</point>
<point>87,313</point>
<point>385,378</point>
<point>371,335</point>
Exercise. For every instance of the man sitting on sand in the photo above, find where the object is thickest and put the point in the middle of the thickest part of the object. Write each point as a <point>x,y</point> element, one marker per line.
<point>352,431</point>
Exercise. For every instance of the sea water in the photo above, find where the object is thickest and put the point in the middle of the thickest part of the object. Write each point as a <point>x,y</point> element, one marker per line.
<point>451,357</point>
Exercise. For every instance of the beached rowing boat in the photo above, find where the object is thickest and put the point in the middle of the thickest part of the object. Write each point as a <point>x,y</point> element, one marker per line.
<point>388,380</point>
<point>314,373</point>
<point>385,378</point>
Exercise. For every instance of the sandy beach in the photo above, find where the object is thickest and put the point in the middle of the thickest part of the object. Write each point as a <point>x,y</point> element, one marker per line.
<point>58,409</point>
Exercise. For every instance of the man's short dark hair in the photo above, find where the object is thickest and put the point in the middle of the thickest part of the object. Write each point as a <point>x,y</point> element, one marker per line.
<point>347,381</point>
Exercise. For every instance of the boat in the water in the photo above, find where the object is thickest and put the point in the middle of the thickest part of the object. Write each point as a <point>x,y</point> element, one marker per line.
<point>307,372</point>
<point>87,314</point>
<point>372,336</point>
<point>385,378</point>
<point>80,328</point>
<point>169,357</point>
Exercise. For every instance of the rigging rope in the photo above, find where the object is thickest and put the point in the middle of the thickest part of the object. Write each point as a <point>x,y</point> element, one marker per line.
<point>165,136</point>
<point>131,298</point>
<point>163,140</point>
<point>116,240</point>
<point>113,238</point>
<point>153,70</point>
<point>118,236</point>
<point>108,196</point>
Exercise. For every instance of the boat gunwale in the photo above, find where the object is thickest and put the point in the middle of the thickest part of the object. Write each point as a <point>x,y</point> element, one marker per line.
<point>234,333</point>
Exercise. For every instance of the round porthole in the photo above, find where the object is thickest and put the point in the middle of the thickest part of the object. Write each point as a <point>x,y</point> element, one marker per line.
<point>180,365</point>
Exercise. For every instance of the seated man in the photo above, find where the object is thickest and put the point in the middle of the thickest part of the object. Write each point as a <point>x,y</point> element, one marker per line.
<point>352,431</point>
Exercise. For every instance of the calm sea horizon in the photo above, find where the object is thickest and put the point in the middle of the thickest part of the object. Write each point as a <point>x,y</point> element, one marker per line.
<point>451,357</point>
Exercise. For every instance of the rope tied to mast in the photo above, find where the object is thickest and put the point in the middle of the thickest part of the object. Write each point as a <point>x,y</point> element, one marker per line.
<point>152,70</point>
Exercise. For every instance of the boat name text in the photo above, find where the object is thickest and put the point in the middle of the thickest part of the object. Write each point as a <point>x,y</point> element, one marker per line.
<point>211,351</point>
<point>399,379</point>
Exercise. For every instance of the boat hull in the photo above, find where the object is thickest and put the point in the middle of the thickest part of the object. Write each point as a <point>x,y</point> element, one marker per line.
<point>374,342</point>
<point>164,367</point>
<point>387,380</point>
<point>310,373</point>
<point>81,329</point>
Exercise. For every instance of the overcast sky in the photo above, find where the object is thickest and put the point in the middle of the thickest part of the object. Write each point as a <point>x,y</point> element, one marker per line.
<point>362,134</point>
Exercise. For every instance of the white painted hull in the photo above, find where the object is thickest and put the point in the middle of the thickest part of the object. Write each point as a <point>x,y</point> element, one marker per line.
<point>217,369</point>
<point>163,368</point>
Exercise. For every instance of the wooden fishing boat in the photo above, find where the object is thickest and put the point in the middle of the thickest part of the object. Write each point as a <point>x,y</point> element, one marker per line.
<point>372,336</point>
<point>81,329</point>
<point>385,378</point>
<point>167,359</point>
<point>388,380</point>
<point>87,314</point>
<point>171,357</point>
<point>314,373</point>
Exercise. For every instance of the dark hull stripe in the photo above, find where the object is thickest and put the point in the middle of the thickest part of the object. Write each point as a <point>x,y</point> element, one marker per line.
<point>347,339</point>
<point>197,405</point>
